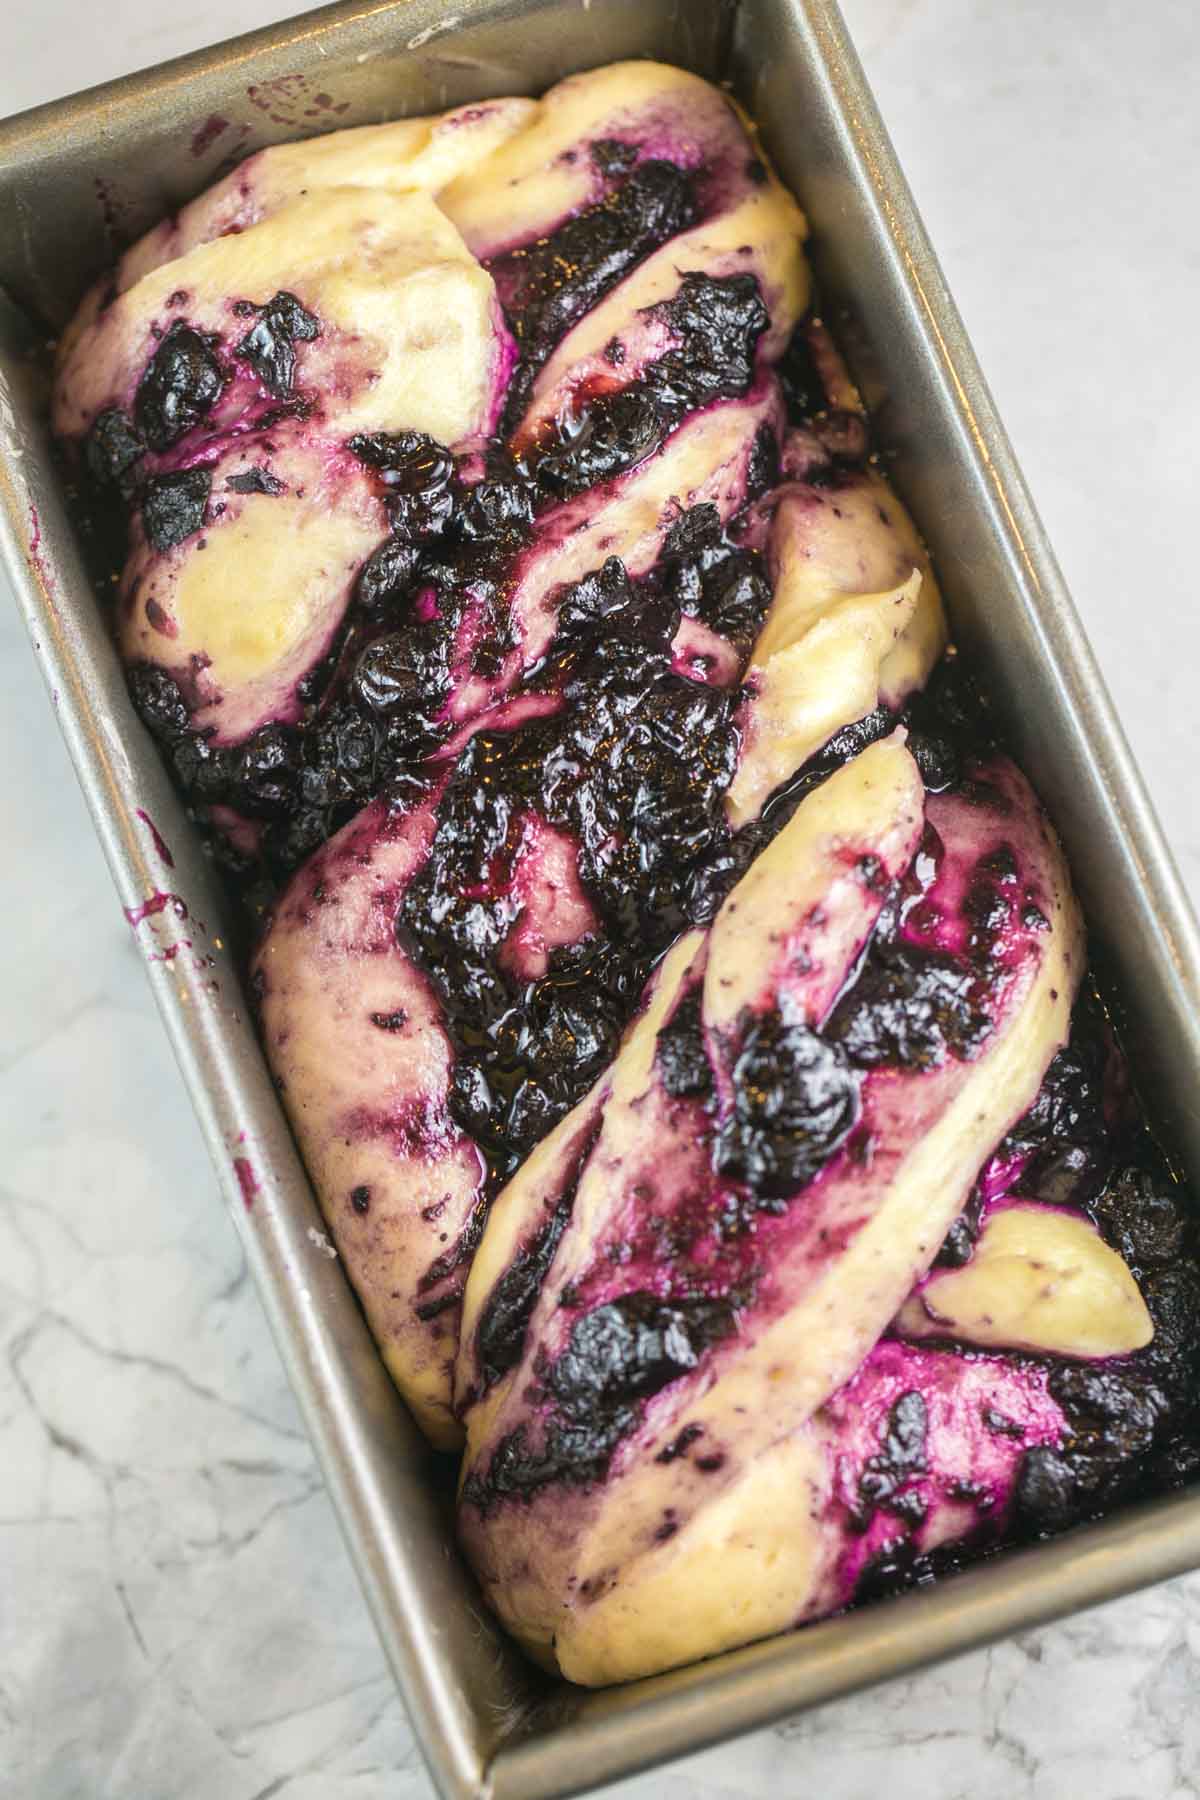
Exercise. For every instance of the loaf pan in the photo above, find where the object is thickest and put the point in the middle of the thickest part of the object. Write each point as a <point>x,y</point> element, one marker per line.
<point>83,176</point>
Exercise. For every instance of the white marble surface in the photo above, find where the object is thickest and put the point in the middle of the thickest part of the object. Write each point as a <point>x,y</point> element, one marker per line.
<point>178,1620</point>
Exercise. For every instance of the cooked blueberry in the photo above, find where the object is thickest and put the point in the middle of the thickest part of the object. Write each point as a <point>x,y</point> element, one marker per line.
<point>736,599</point>
<point>718,872</point>
<point>408,669</point>
<point>1177,1462</point>
<point>173,506</point>
<point>408,460</point>
<point>614,433</point>
<point>937,759</point>
<point>795,1101</point>
<point>1173,1298</point>
<point>598,596</point>
<point>1069,1108</point>
<point>1113,1414</point>
<point>893,1569</point>
<point>569,1025</point>
<point>910,1008</point>
<point>289,842</point>
<point>418,475</point>
<point>959,1242</point>
<point>575,1453</point>
<point>159,701</point>
<point>385,579</point>
<point>113,449</point>
<point>182,383</point>
<point>709,577</point>
<point>267,769</point>
<point>694,531</point>
<point>532,1112</point>
<point>680,1052</point>
<point>901,1455</point>
<point>1046,1497</point>
<point>762,471</point>
<point>500,1336</point>
<point>630,1348</point>
<point>717,322</point>
<point>498,509</point>
<point>1145,1219</point>
<point>269,345</point>
<point>200,770</point>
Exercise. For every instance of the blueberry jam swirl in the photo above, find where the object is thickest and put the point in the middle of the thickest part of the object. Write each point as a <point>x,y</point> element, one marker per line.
<point>377,705</point>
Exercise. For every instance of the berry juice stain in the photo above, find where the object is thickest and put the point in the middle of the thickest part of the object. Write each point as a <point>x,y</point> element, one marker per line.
<point>156,838</point>
<point>243,1168</point>
<point>157,903</point>
<point>208,133</point>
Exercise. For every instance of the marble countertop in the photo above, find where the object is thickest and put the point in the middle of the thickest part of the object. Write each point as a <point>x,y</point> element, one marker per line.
<point>178,1618</point>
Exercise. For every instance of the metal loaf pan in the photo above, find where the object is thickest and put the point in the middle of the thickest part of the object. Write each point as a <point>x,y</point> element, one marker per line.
<point>81,176</point>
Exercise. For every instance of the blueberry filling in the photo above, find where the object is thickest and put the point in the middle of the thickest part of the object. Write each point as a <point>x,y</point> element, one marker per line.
<point>633,766</point>
<point>376,704</point>
<point>418,478</point>
<point>800,378</point>
<point>901,1456</point>
<point>715,324</point>
<point>500,1335</point>
<point>1133,1421</point>
<point>795,1102</point>
<point>452,1263</point>
<point>963,1235</point>
<point>159,702</point>
<point>270,344</point>
<point>173,506</point>
<point>380,694</point>
<point>700,575</point>
<point>614,433</point>
<point>1144,1219</point>
<point>628,1349</point>
<point>909,1008</point>
<point>680,1052</point>
<point>500,1339</point>
<point>547,286</point>
<point>617,1356</point>
<point>899,1566</point>
<point>181,385</point>
<point>1063,1136</point>
<point>113,450</point>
